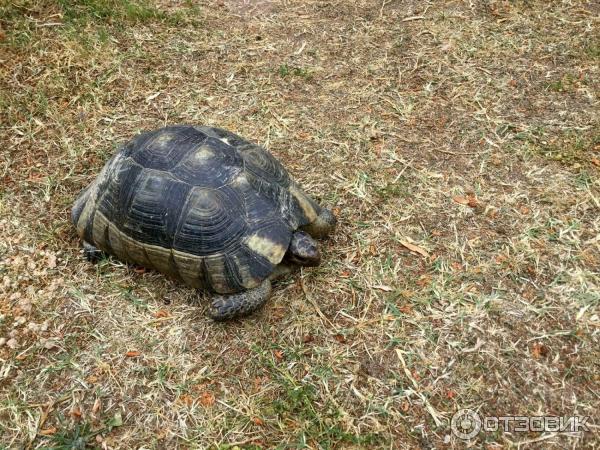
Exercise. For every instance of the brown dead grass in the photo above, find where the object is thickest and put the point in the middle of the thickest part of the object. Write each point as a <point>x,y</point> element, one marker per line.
<point>467,129</point>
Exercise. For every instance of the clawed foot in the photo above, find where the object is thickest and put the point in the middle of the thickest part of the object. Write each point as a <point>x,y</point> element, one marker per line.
<point>91,253</point>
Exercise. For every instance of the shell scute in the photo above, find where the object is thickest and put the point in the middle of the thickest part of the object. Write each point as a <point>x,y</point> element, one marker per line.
<point>146,211</point>
<point>211,164</point>
<point>164,148</point>
<point>209,224</point>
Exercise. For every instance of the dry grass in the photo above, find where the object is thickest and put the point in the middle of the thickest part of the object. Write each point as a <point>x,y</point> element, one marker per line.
<point>469,129</point>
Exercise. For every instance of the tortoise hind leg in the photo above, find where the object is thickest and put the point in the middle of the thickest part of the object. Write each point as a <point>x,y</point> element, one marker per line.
<point>91,253</point>
<point>225,307</point>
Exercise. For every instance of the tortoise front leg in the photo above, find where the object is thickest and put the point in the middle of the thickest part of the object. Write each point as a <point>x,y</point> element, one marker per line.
<point>323,225</point>
<point>225,307</point>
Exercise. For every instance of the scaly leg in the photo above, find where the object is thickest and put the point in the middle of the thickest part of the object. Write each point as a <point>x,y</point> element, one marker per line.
<point>91,253</point>
<point>225,307</point>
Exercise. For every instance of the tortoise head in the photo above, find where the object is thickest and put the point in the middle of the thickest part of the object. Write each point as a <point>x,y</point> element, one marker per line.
<point>303,250</point>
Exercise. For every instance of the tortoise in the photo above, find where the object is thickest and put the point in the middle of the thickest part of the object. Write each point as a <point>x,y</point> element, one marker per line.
<point>204,206</point>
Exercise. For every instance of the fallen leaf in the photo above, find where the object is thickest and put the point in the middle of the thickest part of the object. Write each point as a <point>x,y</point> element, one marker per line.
<point>308,338</point>
<point>186,399</point>
<point>207,399</point>
<point>596,162</point>
<point>538,350</point>
<point>415,248</point>
<point>405,406</point>
<point>460,199</point>
<point>383,287</point>
<point>162,433</point>
<point>258,381</point>
<point>75,412</point>
<point>473,203</point>
<point>97,405</point>
<point>132,354</point>
<point>258,421</point>
<point>278,355</point>
<point>140,270</point>
<point>405,309</point>
<point>450,394</point>
<point>340,338</point>
<point>48,431</point>
<point>161,313</point>
<point>424,280</point>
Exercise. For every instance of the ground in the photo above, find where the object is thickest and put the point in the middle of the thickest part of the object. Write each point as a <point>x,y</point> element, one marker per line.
<point>458,143</point>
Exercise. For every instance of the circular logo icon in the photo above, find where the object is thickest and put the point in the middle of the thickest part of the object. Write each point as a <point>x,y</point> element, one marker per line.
<point>465,424</point>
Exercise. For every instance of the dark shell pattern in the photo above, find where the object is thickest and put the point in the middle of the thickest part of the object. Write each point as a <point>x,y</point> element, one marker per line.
<point>200,204</point>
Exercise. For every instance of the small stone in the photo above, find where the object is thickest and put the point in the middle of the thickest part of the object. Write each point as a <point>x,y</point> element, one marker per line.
<point>51,261</point>
<point>2,341</point>
<point>49,345</point>
<point>25,305</point>
<point>12,343</point>
<point>17,261</point>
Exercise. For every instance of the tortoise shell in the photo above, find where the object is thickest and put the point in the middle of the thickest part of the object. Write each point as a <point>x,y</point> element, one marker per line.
<point>199,204</point>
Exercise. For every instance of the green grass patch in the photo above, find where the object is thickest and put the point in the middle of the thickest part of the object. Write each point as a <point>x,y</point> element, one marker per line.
<point>89,22</point>
<point>110,11</point>
<point>81,435</point>
<point>592,49</point>
<point>573,149</point>
<point>300,405</point>
<point>287,71</point>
